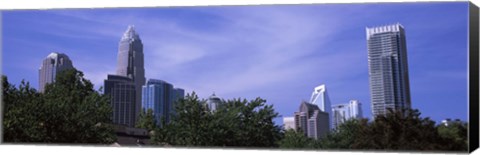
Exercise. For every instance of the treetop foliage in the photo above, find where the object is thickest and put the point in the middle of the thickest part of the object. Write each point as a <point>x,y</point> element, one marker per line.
<point>69,111</point>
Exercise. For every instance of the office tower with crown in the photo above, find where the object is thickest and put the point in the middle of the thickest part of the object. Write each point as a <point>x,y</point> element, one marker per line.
<point>51,66</point>
<point>322,100</point>
<point>130,63</point>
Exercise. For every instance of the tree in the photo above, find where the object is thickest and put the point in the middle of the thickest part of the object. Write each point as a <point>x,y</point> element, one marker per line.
<point>400,130</point>
<point>455,135</point>
<point>293,139</point>
<point>345,134</point>
<point>188,126</point>
<point>236,123</point>
<point>147,120</point>
<point>20,113</point>
<point>254,122</point>
<point>69,111</point>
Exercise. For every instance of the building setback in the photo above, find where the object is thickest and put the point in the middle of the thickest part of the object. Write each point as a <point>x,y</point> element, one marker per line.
<point>121,90</point>
<point>53,64</point>
<point>130,63</point>
<point>160,96</point>
<point>388,68</point>
<point>343,112</point>
<point>313,122</point>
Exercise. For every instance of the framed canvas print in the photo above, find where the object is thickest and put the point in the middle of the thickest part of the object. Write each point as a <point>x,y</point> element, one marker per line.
<point>360,77</point>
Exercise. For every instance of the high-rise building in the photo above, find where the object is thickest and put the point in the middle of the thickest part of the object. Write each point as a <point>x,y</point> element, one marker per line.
<point>160,96</point>
<point>121,90</point>
<point>388,68</point>
<point>213,102</point>
<point>313,122</point>
<point>321,99</point>
<point>53,64</point>
<point>343,112</point>
<point>289,123</point>
<point>130,63</point>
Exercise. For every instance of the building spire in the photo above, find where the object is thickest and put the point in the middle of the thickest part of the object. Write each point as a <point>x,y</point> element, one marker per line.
<point>130,33</point>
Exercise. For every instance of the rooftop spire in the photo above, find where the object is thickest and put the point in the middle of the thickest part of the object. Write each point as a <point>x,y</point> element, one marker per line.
<point>130,33</point>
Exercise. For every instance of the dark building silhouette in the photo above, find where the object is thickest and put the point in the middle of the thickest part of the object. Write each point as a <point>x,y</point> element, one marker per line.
<point>121,91</point>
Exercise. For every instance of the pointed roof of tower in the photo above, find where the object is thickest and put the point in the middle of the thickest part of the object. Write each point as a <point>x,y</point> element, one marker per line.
<point>130,33</point>
<point>213,96</point>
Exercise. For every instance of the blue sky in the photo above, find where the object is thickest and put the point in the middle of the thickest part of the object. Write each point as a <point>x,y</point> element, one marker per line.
<point>277,52</point>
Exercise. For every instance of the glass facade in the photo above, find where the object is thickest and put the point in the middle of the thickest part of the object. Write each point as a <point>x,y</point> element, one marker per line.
<point>160,96</point>
<point>388,68</point>
<point>121,90</point>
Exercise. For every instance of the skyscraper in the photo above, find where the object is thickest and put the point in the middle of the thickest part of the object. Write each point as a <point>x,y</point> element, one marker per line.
<point>343,112</point>
<point>160,96</point>
<point>54,63</point>
<point>121,90</point>
<point>130,63</point>
<point>321,99</point>
<point>313,122</point>
<point>388,68</point>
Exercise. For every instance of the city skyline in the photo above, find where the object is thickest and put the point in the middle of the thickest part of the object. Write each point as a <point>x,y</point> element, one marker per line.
<point>268,60</point>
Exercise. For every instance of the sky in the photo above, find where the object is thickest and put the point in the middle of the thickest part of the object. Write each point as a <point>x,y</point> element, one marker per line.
<point>277,52</point>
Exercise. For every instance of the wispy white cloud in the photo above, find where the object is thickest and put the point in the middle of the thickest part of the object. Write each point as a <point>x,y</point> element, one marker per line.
<point>256,48</point>
<point>276,52</point>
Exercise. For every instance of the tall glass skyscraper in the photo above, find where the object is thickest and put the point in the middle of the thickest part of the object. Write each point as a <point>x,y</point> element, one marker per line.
<point>388,68</point>
<point>54,63</point>
<point>121,90</point>
<point>321,99</point>
<point>160,96</point>
<point>130,63</point>
<point>343,112</point>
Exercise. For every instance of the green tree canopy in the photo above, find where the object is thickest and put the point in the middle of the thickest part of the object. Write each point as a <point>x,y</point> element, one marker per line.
<point>69,111</point>
<point>455,133</point>
<point>295,140</point>
<point>345,135</point>
<point>237,123</point>
<point>146,120</point>
<point>399,130</point>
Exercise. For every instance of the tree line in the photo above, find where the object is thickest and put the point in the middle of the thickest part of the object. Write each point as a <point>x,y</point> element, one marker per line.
<point>71,111</point>
<point>68,111</point>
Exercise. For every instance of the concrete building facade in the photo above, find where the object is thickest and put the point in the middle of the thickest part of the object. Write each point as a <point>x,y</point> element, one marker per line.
<point>51,65</point>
